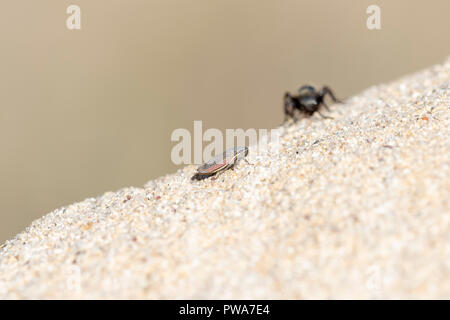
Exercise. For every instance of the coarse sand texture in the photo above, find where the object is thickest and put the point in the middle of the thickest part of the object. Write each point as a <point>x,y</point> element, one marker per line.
<point>351,207</point>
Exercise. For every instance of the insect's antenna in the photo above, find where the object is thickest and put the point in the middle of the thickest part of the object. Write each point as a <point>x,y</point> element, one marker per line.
<point>248,162</point>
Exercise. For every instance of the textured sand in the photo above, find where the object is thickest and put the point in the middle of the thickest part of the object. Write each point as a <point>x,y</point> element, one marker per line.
<point>355,207</point>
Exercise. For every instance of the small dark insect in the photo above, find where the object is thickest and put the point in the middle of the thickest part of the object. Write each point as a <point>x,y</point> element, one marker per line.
<point>308,101</point>
<point>221,162</point>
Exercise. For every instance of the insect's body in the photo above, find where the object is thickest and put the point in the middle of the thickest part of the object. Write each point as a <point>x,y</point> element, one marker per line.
<point>308,101</point>
<point>222,162</point>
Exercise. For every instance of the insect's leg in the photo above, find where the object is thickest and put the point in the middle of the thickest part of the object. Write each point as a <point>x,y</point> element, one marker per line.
<point>325,117</point>
<point>217,174</point>
<point>236,161</point>
<point>326,106</point>
<point>288,106</point>
<point>326,90</point>
<point>229,166</point>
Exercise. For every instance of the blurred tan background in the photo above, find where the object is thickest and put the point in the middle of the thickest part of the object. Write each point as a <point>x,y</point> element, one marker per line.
<point>91,110</point>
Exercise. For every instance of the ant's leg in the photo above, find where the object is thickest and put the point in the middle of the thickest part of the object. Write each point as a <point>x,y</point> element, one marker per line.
<point>326,90</point>
<point>326,106</point>
<point>325,117</point>
<point>288,116</point>
<point>288,106</point>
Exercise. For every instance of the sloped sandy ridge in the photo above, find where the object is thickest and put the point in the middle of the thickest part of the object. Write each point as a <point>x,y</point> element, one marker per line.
<point>355,207</point>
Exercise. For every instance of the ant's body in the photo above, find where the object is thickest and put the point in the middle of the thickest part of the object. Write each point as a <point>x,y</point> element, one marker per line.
<point>308,101</point>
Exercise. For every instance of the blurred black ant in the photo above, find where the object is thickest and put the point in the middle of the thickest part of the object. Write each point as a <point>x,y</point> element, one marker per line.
<point>308,101</point>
